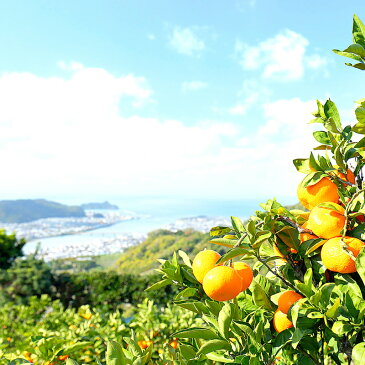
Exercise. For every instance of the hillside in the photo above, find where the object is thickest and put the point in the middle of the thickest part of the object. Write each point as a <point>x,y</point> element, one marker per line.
<point>27,210</point>
<point>161,244</point>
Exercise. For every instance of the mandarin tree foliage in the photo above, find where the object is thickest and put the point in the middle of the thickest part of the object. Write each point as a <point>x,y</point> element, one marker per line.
<point>306,303</point>
<point>10,248</point>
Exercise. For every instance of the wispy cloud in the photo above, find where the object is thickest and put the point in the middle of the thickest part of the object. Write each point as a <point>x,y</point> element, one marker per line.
<point>187,41</point>
<point>193,85</point>
<point>282,58</point>
<point>251,93</point>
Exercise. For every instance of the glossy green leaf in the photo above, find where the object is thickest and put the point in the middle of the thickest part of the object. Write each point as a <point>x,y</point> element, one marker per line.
<point>356,49</point>
<point>185,258</point>
<point>358,31</point>
<point>187,351</point>
<point>224,320</point>
<point>114,354</point>
<point>203,333</point>
<point>260,298</point>
<point>215,356</point>
<point>302,165</point>
<point>159,284</point>
<point>358,354</point>
<point>237,225</point>
<point>235,252</point>
<point>322,137</point>
<point>213,345</point>
<point>219,231</point>
<point>360,264</point>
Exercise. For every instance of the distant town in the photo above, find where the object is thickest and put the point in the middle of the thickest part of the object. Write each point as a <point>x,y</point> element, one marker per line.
<point>97,245</point>
<point>50,227</point>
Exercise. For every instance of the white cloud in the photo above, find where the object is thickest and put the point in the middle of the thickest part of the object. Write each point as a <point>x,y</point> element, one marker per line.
<point>251,93</point>
<point>193,85</point>
<point>282,57</point>
<point>186,41</point>
<point>316,61</point>
<point>69,136</point>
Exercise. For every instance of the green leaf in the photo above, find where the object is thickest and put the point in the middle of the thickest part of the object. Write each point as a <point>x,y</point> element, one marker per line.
<point>193,305</point>
<point>358,31</point>
<point>214,356</point>
<point>322,137</point>
<point>196,332</point>
<point>358,354</point>
<point>313,163</point>
<point>185,258</point>
<point>237,225</point>
<point>159,284</point>
<point>314,244</point>
<point>77,346</point>
<point>234,252</point>
<point>357,49</point>
<point>361,143</point>
<point>360,116</point>
<point>224,320</point>
<point>133,346</point>
<point>260,298</point>
<point>71,362</point>
<point>213,345</point>
<point>313,178</point>
<point>322,147</point>
<point>332,312</point>
<point>219,231</point>
<point>360,66</point>
<point>187,351</point>
<point>302,165</point>
<point>186,293</point>
<point>341,327</point>
<point>298,335</point>
<point>360,264</point>
<point>114,354</point>
<point>347,54</point>
<point>226,242</point>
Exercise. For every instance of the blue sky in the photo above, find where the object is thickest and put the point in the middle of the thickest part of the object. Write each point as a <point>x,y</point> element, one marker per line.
<point>182,98</point>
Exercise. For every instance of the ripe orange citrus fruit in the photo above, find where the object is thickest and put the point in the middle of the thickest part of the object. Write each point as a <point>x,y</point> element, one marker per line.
<point>323,191</point>
<point>174,344</point>
<point>327,222</point>
<point>335,258</point>
<point>203,262</point>
<point>222,283</point>
<point>281,321</point>
<point>287,299</point>
<point>306,236</point>
<point>245,272</point>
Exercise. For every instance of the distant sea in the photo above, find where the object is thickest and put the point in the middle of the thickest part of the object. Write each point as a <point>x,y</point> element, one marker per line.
<point>152,213</point>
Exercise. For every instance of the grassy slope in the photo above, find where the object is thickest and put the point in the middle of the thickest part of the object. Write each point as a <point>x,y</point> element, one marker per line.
<point>161,244</point>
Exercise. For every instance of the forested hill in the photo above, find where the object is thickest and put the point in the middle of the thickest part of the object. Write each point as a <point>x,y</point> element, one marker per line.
<point>161,244</point>
<point>27,210</point>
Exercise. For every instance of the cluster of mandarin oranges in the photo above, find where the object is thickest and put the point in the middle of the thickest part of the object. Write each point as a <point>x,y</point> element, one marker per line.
<point>328,221</point>
<point>325,221</point>
<point>220,282</point>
